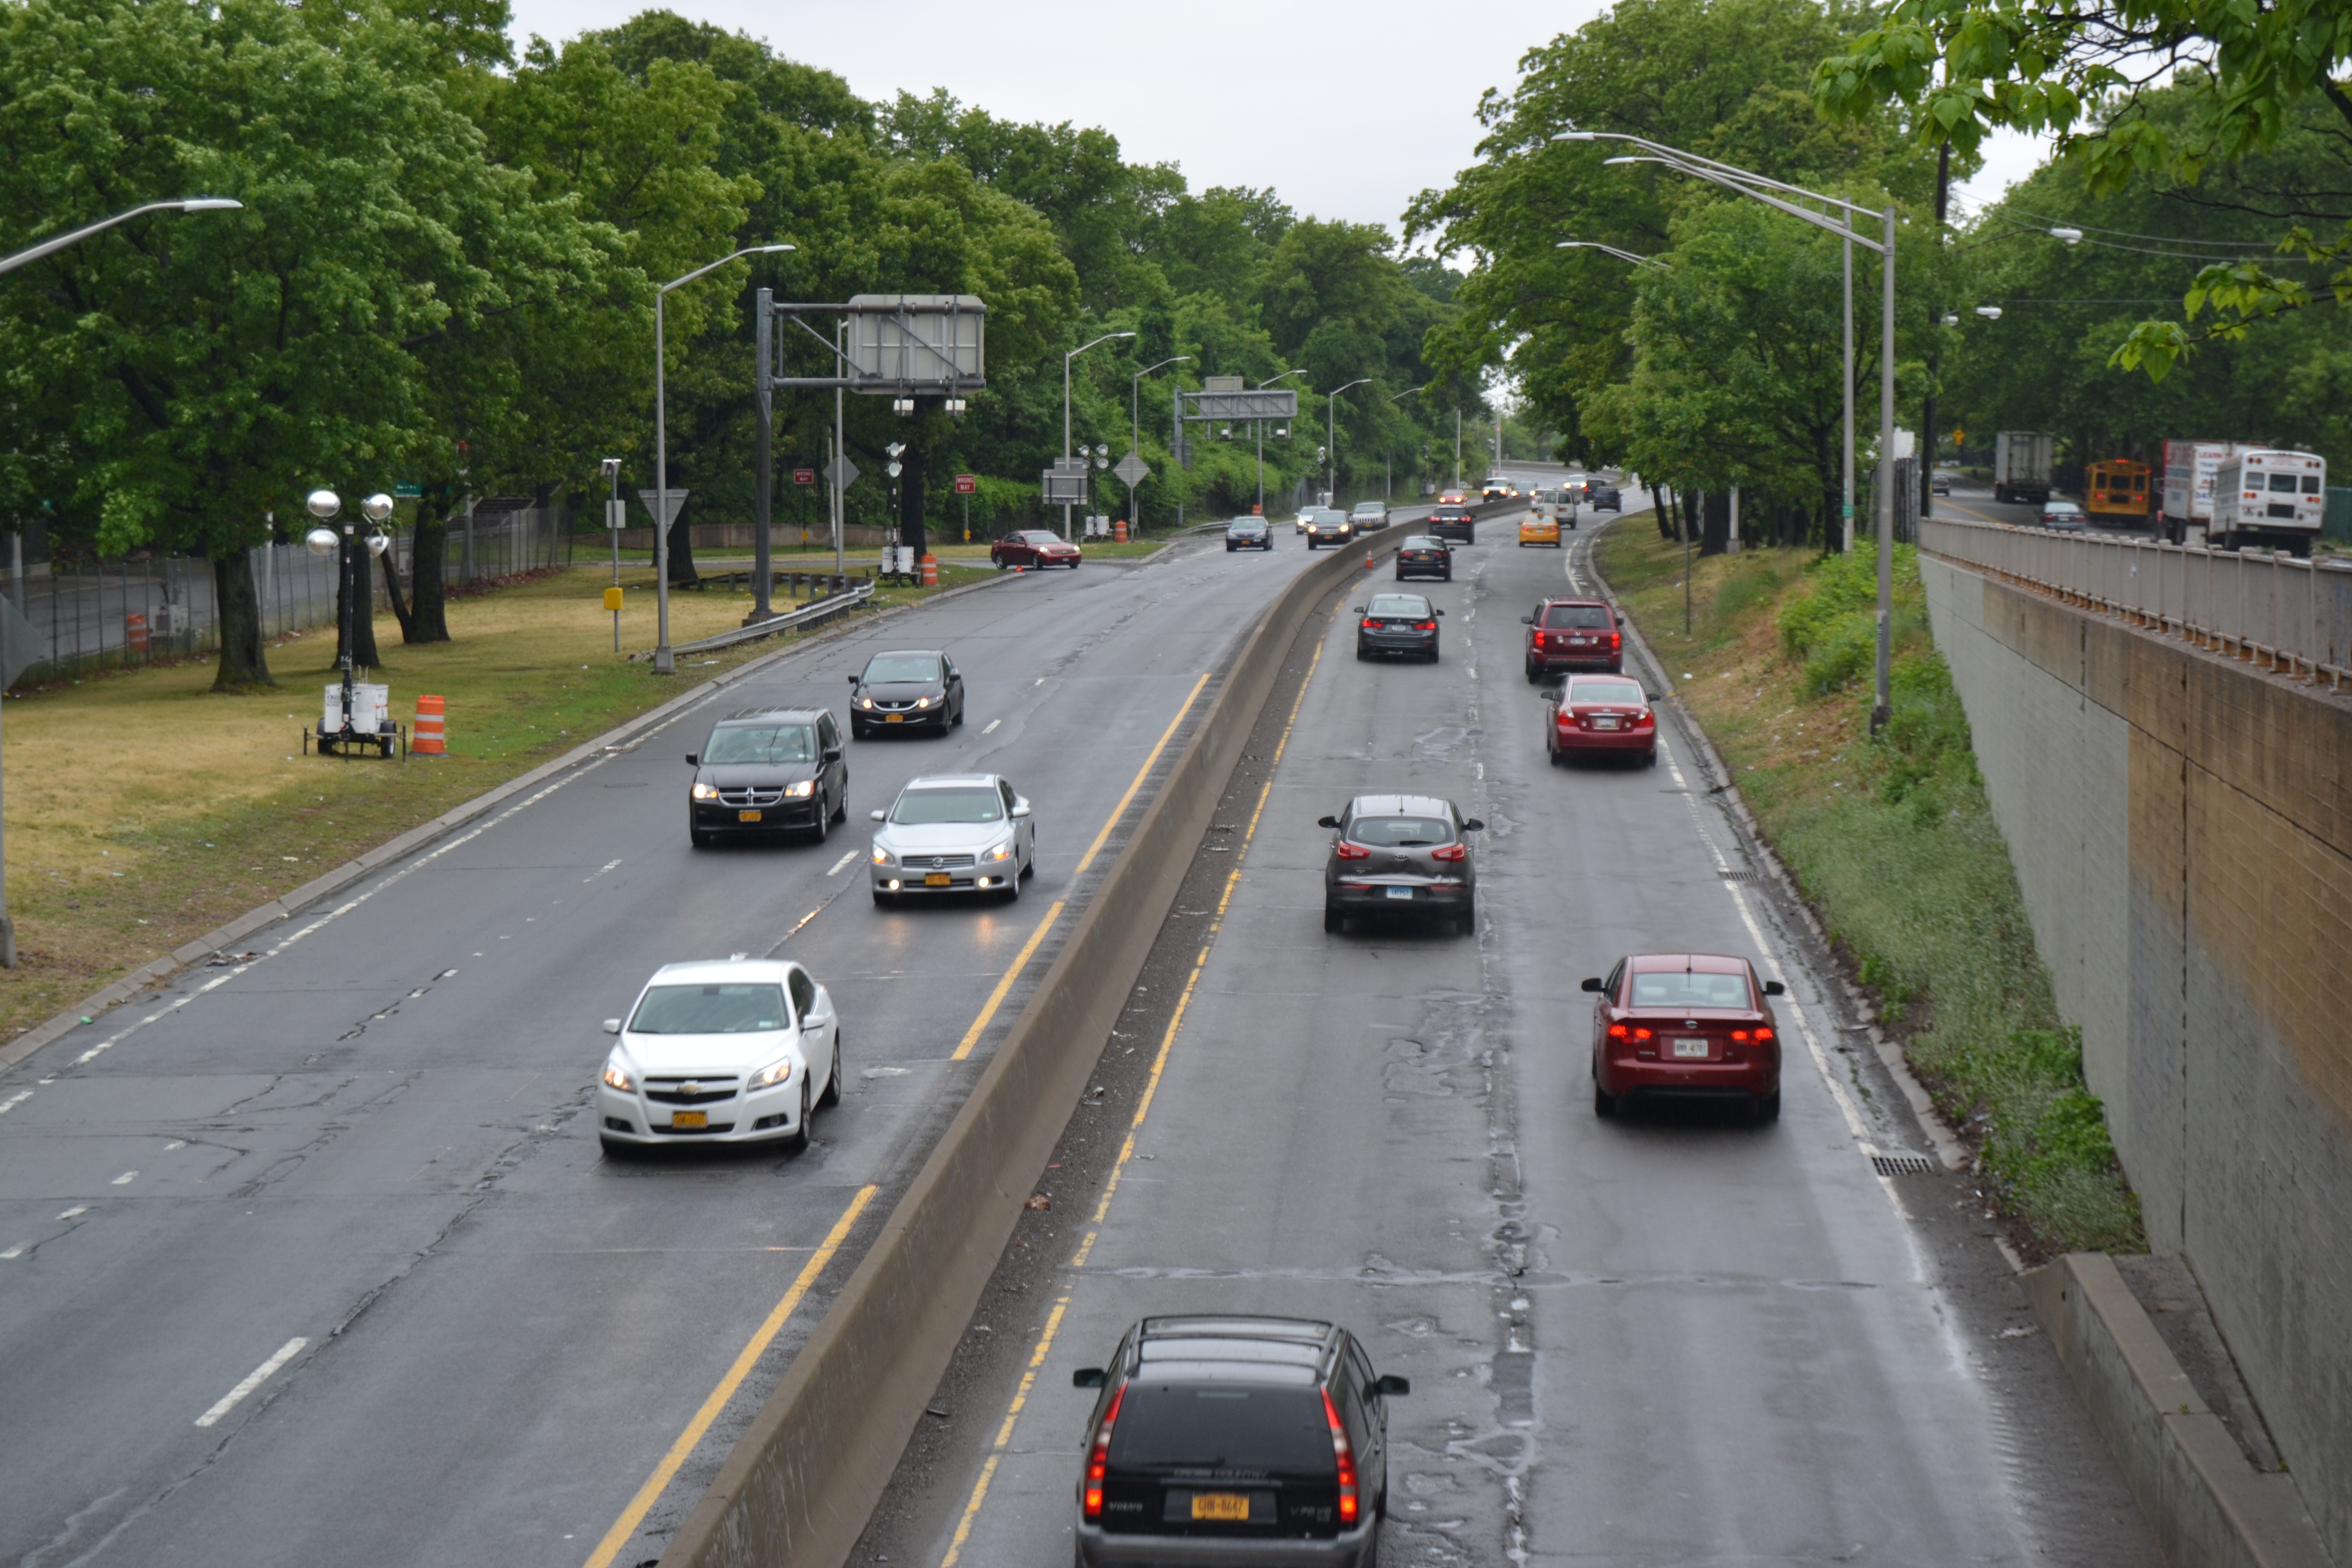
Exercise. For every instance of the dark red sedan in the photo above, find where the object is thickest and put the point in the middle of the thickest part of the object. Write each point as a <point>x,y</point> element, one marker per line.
<point>1573,633</point>
<point>1693,1025</point>
<point>1601,715</point>
<point>1034,548</point>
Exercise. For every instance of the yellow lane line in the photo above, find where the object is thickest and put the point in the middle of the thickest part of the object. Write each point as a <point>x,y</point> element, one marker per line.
<point>1126,1150</point>
<point>648,1495</point>
<point>1028,949</point>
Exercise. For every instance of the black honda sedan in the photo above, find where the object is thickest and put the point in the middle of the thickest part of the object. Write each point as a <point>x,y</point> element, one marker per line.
<point>1396,623</point>
<point>765,771</point>
<point>907,689</point>
<point>1248,533</point>
<point>1424,555</point>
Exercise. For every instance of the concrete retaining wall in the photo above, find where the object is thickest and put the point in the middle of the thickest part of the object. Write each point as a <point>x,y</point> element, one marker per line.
<point>805,1477</point>
<point>2181,826</point>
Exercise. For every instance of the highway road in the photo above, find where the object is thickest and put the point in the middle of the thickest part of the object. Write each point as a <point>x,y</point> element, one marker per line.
<point>1668,1338</point>
<point>313,1258</point>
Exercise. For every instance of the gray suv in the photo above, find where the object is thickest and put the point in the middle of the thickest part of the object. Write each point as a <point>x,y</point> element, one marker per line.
<point>1369,517</point>
<point>1404,855</point>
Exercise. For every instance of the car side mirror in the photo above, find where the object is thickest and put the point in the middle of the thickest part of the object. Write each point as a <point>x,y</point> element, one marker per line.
<point>1326,822</point>
<point>1088,1377</point>
<point>833,753</point>
<point>1527,620</point>
<point>1774,988</point>
<point>1652,697</point>
<point>694,758</point>
<point>1473,825</point>
<point>1355,609</point>
<point>853,680</point>
<point>1019,809</point>
<point>1441,612</point>
<point>612,1025</point>
<point>1592,983</point>
<point>1621,617</point>
<point>876,816</point>
<point>1392,1386</point>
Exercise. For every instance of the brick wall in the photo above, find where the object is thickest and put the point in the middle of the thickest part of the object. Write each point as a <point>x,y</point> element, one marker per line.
<point>2181,826</point>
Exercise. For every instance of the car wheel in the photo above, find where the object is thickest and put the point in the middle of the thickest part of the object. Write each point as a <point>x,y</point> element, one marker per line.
<point>1466,924</point>
<point>832,1094</point>
<point>1011,891</point>
<point>1448,575</point>
<point>1334,921</point>
<point>1557,757</point>
<point>701,839</point>
<point>1535,676</point>
<point>1768,1108</point>
<point>841,806</point>
<point>799,1142</point>
<point>1650,758</point>
<point>1604,1104</point>
<point>883,900</point>
<point>1229,547</point>
<point>824,827</point>
<point>617,1151</point>
<point>858,731</point>
<point>1360,654</point>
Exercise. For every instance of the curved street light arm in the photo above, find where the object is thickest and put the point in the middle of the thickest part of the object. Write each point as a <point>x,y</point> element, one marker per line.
<point>1286,375</point>
<point>1819,220</point>
<point>183,204</point>
<point>1745,176</point>
<point>747,250</point>
<point>1612,250</point>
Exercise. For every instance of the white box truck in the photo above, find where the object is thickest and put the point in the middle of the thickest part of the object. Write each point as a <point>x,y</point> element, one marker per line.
<point>2264,496</point>
<point>2188,503</point>
<point>2020,467</point>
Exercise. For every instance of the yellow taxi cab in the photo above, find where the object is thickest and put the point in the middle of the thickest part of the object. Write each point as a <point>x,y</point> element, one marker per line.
<point>1539,528</point>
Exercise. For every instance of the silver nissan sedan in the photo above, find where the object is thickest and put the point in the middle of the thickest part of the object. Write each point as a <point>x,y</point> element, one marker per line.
<point>954,833</point>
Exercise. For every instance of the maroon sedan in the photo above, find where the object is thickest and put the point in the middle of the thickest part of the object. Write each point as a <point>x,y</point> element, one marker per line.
<point>1601,714</point>
<point>1034,548</point>
<point>1573,633</point>
<point>1685,1025</point>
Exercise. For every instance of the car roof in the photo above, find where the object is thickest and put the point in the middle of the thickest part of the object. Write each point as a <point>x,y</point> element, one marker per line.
<point>904,652</point>
<point>1400,805</point>
<point>1698,962</point>
<point>745,715</point>
<point>945,781</point>
<point>1549,602</point>
<point>716,971</point>
<point>1246,1336</point>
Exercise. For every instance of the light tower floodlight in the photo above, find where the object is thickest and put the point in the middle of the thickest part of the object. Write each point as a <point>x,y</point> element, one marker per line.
<point>2071,236</point>
<point>323,504</point>
<point>376,508</point>
<point>1990,312</point>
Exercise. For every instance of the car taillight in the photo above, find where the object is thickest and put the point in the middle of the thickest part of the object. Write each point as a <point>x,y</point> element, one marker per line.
<point>1450,852</point>
<point>1616,641</point>
<point>1740,1035</point>
<point>1640,1034</point>
<point>1353,851</point>
<point>1098,1458</point>
<point>1366,624</point>
<point>1345,1457</point>
<point>1617,1031</point>
<point>1644,717</point>
<point>1424,625</point>
<point>1763,1034</point>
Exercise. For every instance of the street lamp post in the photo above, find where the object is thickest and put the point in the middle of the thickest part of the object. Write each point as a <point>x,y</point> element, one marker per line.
<point>1135,432</point>
<point>1388,458</point>
<point>1066,411</point>
<point>666,662</point>
<point>9,264</point>
<point>1331,435</point>
<point>1773,193</point>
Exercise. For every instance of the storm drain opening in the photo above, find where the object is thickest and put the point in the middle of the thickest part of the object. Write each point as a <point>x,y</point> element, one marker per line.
<point>1741,876</point>
<point>1900,1165</point>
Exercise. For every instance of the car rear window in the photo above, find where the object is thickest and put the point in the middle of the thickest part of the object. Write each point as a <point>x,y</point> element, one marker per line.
<point>1577,617</point>
<point>1401,832</point>
<point>727,1009</point>
<point>1039,536</point>
<point>1410,606</point>
<point>888,668</point>
<point>1223,1427</point>
<point>977,804</point>
<point>762,744</point>
<point>1619,692</point>
<point>1686,988</point>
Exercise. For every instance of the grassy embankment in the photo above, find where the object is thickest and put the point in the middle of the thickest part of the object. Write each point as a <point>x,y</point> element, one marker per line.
<point>1893,842</point>
<point>143,810</point>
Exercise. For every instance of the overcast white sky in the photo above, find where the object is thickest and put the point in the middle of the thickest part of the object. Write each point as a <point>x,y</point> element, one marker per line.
<point>1348,111</point>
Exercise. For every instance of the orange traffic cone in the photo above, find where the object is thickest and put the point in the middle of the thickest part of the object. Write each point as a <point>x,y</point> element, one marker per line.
<point>1368,560</point>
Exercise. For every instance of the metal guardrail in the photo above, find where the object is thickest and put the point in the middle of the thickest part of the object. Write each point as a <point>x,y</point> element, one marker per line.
<point>2293,616</point>
<point>806,616</point>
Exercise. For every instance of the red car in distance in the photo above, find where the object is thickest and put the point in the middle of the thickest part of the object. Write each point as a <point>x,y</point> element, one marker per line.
<point>1601,714</point>
<point>1688,1026</point>
<point>1034,548</point>
<point>1573,633</point>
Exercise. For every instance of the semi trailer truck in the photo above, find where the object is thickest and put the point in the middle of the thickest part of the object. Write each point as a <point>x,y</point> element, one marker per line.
<point>2020,467</point>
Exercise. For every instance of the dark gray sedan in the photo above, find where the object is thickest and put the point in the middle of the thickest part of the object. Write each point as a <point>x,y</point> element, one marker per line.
<point>1248,533</point>
<point>1424,555</point>
<point>1401,855</point>
<point>1396,623</point>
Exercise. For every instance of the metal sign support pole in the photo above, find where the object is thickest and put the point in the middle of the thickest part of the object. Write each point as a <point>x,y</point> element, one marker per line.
<point>1881,708</point>
<point>763,577</point>
<point>665,661</point>
<point>840,457</point>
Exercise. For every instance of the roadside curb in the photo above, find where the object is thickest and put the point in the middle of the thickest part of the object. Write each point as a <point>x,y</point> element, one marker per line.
<point>2206,1503</point>
<point>1951,1152</point>
<point>222,938</point>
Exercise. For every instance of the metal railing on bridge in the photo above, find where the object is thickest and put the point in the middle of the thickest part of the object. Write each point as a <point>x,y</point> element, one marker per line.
<point>2292,615</point>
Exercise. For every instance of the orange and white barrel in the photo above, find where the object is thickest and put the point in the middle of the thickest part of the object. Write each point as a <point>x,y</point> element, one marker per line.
<point>930,570</point>
<point>134,632</point>
<point>428,739</point>
<point>1118,530</point>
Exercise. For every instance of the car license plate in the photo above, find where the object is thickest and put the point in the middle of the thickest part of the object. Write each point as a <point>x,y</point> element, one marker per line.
<point>747,817</point>
<point>894,717</point>
<point>1686,1047</point>
<point>1604,723</point>
<point>1400,892</point>
<point>1579,642</point>
<point>937,880</point>
<point>1231,1507</point>
<point>688,1119</point>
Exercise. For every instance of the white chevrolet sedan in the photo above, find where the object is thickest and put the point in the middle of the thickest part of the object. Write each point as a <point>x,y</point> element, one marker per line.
<point>740,1051</point>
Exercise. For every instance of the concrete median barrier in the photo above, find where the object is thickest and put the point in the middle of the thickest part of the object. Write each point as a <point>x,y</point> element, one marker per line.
<point>798,1488</point>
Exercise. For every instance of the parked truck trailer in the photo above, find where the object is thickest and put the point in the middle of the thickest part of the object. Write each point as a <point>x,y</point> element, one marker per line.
<point>2020,467</point>
<point>2189,468</point>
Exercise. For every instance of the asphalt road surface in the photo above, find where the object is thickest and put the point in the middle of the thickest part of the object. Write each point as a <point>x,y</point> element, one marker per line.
<point>313,1259</point>
<point>1667,1339</point>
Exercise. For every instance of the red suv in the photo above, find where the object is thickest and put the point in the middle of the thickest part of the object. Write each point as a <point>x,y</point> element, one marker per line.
<point>1685,1025</point>
<point>1573,633</point>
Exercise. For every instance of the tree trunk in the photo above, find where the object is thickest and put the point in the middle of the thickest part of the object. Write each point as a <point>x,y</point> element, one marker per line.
<point>910,501</point>
<point>400,611</point>
<point>1715,523</point>
<point>428,589</point>
<point>1668,501</point>
<point>361,617</point>
<point>682,573</point>
<point>244,652</point>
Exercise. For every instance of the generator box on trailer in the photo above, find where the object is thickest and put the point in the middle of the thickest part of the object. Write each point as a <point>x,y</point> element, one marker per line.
<point>370,706</point>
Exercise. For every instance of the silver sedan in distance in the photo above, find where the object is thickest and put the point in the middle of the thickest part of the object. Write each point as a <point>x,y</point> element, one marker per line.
<point>954,833</point>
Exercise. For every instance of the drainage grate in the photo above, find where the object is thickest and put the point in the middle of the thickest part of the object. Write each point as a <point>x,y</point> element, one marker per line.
<point>1900,1166</point>
<point>1741,876</point>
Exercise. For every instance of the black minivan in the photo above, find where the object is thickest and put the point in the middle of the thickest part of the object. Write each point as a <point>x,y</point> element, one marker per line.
<point>768,770</point>
<point>1243,1439</point>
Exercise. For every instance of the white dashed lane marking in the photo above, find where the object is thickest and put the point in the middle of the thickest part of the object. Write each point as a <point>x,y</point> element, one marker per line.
<point>253,1380</point>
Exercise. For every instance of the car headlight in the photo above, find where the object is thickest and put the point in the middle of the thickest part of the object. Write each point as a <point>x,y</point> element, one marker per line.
<point>922,702</point>
<point>617,1074</point>
<point>774,1073</point>
<point>801,791</point>
<point>881,856</point>
<point>866,702</point>
<point>705,790</point>
<point>999,852</point>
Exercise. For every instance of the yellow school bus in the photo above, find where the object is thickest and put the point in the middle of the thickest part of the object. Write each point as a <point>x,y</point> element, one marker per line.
<point>2117,488</point>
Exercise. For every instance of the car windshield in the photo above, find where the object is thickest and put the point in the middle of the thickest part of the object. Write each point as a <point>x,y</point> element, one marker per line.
<point>1222,1426</point>
<point>761,744</point>
<point>1409,606</point>
<point>1686,988</point>
<point>885,668</point>
<point>1246,524</point>
<point>1619,692</point>
<point>971,803</point>
<point>723,1009</point>
<point>1401,832</point>
<point>1577,617</point>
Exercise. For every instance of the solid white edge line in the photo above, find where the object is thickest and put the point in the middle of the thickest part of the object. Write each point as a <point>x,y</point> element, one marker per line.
<point>253,1380</point>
